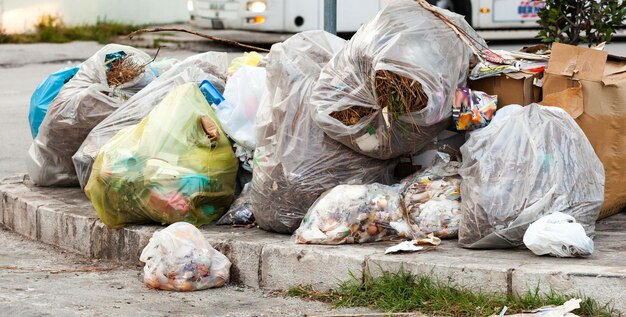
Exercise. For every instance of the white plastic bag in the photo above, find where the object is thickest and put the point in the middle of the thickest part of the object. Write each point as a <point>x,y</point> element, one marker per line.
<point>534,162</point>
<point>237,113</point>
<point>559,235</point>
<point>178,258</point>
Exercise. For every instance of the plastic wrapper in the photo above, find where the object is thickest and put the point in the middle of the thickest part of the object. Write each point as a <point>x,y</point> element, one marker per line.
<point>207,66</point>
<point>527,164</point>
<point>391,89</point>
<point>44,94</point>
<point>237,114</point>
<point>240,212</point>
<point>175,165</point>
<point>82,103</point>
<point>432,199</point>
<point>354,214</point>
<point>248,59</point>
<point>473,109</point>
<point>178,258</point>
<point>295,162</point>
<point>559,235</point>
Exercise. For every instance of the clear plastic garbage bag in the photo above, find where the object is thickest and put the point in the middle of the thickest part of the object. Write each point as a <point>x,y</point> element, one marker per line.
<point>240,212</point>
<point>178,258</point>
<point>354,214</point>
<point>44,94</point>
<point>559,235</point>
<point>237,114</point>
<point>82,103</point>
<point>531,163</point>
<point>295,162</point>
<point>194,69</point>
<point>175,165</point>
<point>391,89</point>
<point>432,199</point>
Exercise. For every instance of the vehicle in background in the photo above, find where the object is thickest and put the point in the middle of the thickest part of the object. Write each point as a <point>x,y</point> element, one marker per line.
<point>302,15</point>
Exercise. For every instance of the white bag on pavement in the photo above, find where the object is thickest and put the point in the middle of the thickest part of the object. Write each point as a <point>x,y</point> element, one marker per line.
<point>559,235</point>
<point>178,258</point>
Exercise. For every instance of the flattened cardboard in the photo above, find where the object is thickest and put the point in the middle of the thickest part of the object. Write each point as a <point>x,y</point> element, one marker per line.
<point>604,109</point>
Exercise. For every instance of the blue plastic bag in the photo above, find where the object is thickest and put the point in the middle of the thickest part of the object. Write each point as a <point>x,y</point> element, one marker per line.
<point>44,94</point>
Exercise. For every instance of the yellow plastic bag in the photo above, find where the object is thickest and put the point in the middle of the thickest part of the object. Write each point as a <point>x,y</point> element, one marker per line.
<point>175,165</point>
<point>248,58</point>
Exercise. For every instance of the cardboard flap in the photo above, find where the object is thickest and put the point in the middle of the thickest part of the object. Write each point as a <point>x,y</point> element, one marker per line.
<point>577,62</point>
<point>519,75</point>
<point>570,100</point>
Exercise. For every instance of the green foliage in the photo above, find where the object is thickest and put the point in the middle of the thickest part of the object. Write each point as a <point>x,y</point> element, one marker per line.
<point>404,292</point>
<point>52,29</point>
<point>580,21</point>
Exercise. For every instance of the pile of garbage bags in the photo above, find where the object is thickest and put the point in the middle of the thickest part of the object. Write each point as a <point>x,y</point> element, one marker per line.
<point>307,140</point>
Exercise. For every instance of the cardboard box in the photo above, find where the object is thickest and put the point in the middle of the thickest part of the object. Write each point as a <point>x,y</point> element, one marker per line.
<point>591,86</point>
<point>513,88</point>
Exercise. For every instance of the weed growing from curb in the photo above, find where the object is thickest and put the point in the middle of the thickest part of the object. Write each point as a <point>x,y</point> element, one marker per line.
<point>405,292</point>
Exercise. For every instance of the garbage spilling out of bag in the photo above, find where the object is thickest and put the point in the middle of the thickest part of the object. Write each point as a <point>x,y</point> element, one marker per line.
<point>209,66</point>
<point>103,82</point>
<point>354,214</point>
<point>175,165</point>
<point>432,199</point>
<point>389,91</point>
<point>295,162</point>
<point>240,212</point>
<point>423,244</point>
<point>473,109</point>
<point>559,235</point>
<point>44,95</point>
<point>178,258</point>
<point>529,164</point>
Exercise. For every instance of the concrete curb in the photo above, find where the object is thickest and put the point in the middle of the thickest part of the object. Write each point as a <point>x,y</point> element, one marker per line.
<point>63,217</point>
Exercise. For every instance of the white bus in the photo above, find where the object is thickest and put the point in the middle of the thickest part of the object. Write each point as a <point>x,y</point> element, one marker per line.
<point>292,16</point>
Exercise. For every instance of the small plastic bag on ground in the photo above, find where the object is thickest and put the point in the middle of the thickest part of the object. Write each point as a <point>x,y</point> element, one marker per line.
<point>240,212</point>
<point>473,109</point>
<point>178,258</point>
<point>559,235</point>
<point>295,162</point>
<point>194,69</point>
<point>175,165</point>
<point>237,113</point>
<point>44,94</point>
<point>103,83</point>
<point>531,163</point>
<point>432,199</point>
<point>390,90</point>
<point>354,214</point>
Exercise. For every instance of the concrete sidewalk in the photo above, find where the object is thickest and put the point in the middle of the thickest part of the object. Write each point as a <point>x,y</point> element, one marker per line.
<point>65,218</point>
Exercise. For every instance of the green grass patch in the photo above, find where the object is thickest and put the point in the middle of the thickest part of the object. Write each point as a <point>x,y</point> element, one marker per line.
<point>404,292</point>
<point>52,29</point>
